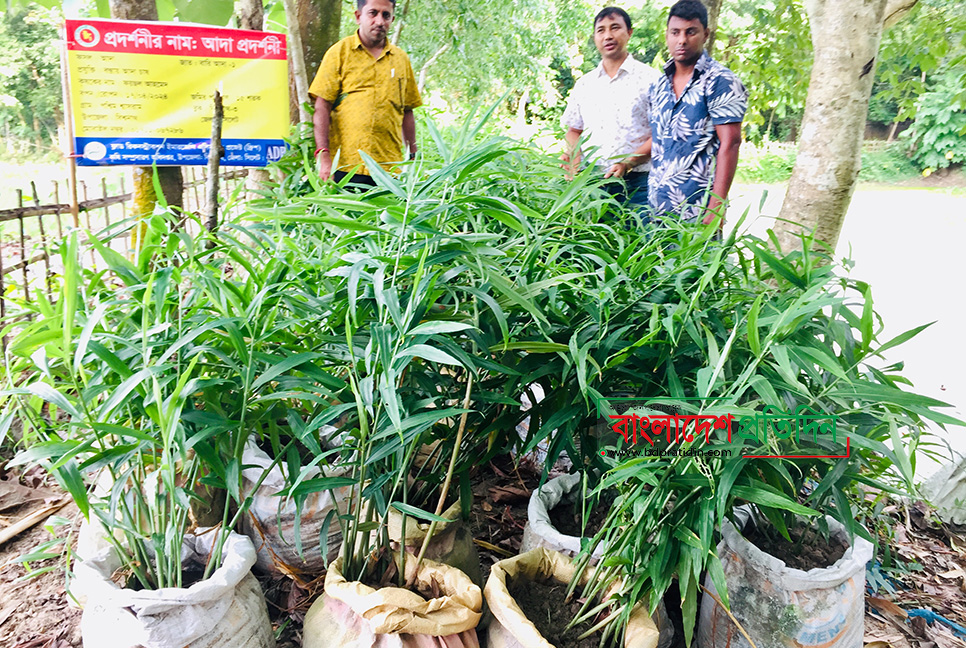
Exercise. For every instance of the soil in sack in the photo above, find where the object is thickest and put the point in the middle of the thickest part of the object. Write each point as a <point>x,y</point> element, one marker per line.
<point>781,605</point>
<point>545,605</point>
<point>807,549</point>
<point>522,575</point>
<point>226,609</point>
<point>567,518</point>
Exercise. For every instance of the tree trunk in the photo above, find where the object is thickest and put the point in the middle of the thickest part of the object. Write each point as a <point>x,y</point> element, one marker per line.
<point>400,22</point>
<point>133,9</point>
<point>845,39</point>
<point>251,14</point>
<point>714,10</point>
<point>319,22</point>
<point>296,60</point>
<point>170,179</point>
<point>421,81</point>
<point>214,164</point>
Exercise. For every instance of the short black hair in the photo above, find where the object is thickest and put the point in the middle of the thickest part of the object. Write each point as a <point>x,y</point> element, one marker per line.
<point>613,11</point>
<point>689,10</point>
<point>362,3</point>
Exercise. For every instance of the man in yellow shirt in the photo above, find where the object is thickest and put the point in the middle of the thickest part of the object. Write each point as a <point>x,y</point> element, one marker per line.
<point>364,94</point>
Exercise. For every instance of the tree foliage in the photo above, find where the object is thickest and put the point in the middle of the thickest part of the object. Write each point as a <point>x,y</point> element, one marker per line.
<point>30,88</point>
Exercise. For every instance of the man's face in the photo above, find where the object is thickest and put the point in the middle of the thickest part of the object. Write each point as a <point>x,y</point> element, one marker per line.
<point>611,36</point>
<point>686,39</point>
<point>374,20</point>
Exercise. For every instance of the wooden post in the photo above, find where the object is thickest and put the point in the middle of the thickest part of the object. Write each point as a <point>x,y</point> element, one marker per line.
<point>194,187</point>
<point>43,237</point>
<point>214,161</point>
<point>107,212</point>
<point>60,225</point>
<point>23,250</point>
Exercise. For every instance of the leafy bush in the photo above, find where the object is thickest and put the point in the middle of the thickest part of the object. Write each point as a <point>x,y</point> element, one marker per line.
<point>148,377</point>
<point>752,330</point>
<point>889,163</point>
<point>767,163</point>
<point>939,132</point>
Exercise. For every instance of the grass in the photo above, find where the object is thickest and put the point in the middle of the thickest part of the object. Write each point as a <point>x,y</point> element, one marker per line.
<point>772,162</point>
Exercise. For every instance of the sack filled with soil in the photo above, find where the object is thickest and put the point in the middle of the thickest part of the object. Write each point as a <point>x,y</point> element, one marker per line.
<point>226,609</point>
<point>552,571</point>
<point>543,529</point>
<point>443,613</point>
<point>778,605</point>
<point>270,520</point>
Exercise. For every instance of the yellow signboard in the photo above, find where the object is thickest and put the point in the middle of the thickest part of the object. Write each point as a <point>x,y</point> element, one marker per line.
<point>141,92</point>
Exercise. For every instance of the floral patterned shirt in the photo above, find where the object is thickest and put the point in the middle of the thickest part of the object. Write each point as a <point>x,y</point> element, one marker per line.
<point>685,144</point>
<point>612,111</point>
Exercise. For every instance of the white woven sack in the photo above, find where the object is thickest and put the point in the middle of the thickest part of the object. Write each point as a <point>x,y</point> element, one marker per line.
<point>226,609</point>
<point>540,532</point>
<point>270,520</point>
<point>779,606</point>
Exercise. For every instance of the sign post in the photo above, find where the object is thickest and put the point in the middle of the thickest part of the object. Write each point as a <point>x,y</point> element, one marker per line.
<point>140,93</point>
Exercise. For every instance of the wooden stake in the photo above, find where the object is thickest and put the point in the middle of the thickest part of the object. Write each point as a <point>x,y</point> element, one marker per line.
<point>214,160</point>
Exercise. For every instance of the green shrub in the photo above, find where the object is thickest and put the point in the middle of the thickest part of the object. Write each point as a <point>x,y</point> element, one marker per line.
<point>939,132</point>
<point>769,163</point>
<point>889,163</point>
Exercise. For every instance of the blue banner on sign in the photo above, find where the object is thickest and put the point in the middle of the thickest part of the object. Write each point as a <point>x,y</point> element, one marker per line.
<point>145,151</point>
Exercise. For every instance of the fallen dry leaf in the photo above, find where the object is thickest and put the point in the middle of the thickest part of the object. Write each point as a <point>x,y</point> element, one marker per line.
<point>952,573</point>
<point>885,606</point>
<point>13,494</point>
<point>508,494</point>
<point>878,644</point>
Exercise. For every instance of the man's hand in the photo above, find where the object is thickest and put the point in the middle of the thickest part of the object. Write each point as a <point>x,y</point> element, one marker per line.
<point>568,166</point>
<point>571,155</point>
<point>325,165</point>
<point>617,170</point>
<point>714,209</point>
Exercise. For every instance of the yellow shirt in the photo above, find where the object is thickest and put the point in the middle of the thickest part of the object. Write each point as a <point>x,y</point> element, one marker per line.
<point>368,98</point>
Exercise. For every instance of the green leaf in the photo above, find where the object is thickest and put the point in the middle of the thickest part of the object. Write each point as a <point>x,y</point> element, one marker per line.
<point>318,485</point>
<point>902,338</point>
<point>754,342</point>
<point>534,346</point>
<point>208,12</point>
<point>777,265</point>
<point>49,394</point>
<point>766,496</point>
<point>440,326</point>
<point>277,369</point>
<point>427,352</point>
<point>418,513</point>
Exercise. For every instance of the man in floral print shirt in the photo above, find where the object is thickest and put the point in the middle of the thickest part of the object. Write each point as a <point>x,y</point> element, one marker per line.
<point>696,108</point>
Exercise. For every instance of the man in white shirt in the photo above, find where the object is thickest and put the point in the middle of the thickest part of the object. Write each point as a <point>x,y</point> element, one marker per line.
<point>610,103</point>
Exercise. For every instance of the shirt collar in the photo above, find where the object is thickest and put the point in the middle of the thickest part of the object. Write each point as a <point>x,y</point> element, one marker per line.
<point>625,66</point>
<point>356,43</point>
<point>704,62</point>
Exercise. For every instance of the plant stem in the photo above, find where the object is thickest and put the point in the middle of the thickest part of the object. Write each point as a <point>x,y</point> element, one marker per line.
<point>447,481</point>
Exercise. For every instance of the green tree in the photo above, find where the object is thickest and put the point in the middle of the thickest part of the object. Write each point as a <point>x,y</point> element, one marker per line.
<point>30,89</point>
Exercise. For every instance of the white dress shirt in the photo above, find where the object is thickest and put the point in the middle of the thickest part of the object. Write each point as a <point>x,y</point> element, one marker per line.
<point>612,112</point>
